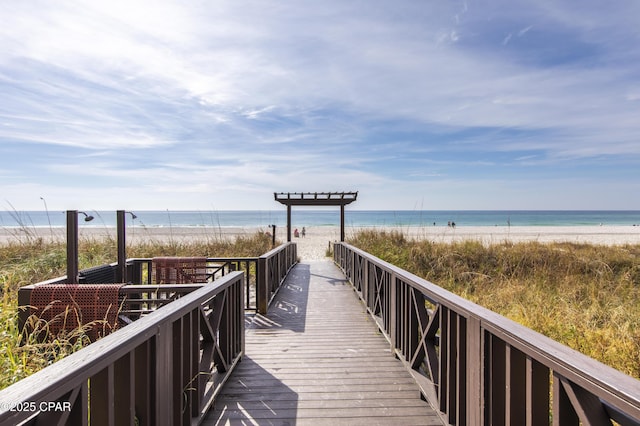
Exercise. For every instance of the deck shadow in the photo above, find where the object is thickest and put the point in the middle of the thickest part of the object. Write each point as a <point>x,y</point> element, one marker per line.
<point>289,307</point>
<point>253,395</point>
<point>332,280</point>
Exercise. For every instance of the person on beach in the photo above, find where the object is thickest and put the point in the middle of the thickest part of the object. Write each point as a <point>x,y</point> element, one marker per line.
<point>296,233</point>
<point>304,232</point>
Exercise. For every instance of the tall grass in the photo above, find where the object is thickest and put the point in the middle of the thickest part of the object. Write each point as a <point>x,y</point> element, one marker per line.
<point>30,260</point>
<point>584,296</point>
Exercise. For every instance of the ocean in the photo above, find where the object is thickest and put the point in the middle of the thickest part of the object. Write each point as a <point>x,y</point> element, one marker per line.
<point>329,217</point>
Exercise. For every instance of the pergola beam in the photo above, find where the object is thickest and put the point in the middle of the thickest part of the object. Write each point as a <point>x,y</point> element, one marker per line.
<point>315,198</point>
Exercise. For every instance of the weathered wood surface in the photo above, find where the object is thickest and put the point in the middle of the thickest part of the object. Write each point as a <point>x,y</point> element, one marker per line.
<point>318,358</point>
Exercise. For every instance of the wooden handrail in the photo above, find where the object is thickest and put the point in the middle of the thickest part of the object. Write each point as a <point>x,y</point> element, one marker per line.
<point>273,268</point>
<point>140,272</point>
<point>165,368</point>
<point>479,367</point>
<point>265,274</point>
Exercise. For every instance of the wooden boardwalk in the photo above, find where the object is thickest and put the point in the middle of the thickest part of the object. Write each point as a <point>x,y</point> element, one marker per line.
<point>318,358</point>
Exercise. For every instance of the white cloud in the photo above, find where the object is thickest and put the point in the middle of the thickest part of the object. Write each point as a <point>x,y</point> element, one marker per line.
<point>249,96</point>
<point>524,30</point>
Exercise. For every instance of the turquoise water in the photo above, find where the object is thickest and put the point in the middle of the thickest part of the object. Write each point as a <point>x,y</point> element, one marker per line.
<point>330,217</point>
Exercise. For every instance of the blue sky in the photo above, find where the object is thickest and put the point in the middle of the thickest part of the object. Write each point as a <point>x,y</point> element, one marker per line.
<point>215,105</point>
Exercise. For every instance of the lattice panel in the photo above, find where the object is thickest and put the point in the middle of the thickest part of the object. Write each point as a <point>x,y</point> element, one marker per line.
<point>68,306</point>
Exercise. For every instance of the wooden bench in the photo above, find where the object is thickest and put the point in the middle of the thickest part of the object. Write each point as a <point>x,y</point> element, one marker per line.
<point>97,275</point>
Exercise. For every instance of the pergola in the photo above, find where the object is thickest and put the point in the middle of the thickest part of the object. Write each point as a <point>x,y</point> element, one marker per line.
<point>315,199</point>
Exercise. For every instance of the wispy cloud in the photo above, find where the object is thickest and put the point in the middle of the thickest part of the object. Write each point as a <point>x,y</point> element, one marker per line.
<point>240,97</point>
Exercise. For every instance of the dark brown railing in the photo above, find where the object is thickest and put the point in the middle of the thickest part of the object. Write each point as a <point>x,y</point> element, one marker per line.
<point>139,271</point>
<point>480,368</point>
<point>139,277</point>
<point>276,262</point>
<point>164,369</point>
<point>273,268</point>
<point>263,275</point>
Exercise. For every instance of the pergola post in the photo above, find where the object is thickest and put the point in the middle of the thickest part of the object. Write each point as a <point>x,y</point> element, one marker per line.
<point>288,223</point>
<point>342,223</point>
<point>315,199</point>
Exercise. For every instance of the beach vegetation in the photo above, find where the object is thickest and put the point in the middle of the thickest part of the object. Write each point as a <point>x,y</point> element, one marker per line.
<point>582,295</point>
<point>25,261</point>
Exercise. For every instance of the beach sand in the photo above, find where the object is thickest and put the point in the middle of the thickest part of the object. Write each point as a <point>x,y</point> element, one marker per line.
<point>314,245</point>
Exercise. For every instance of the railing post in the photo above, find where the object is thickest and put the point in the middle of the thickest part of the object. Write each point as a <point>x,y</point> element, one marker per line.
<point>102,397</point>
<point>280,267</point>
<point>516,384</point>
<point>72,247</point>
<point>475,371</point>
<point>134,273</point>
<point>262,286</point>
<point>393,314</point>
<point>537,393</point>
<point>24,300</point>
<point>365,280</point>
<point>163,375</point>
<point>124,389</point>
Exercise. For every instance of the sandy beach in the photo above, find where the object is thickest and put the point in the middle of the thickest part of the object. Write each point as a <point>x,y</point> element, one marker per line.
<point>314,245</point>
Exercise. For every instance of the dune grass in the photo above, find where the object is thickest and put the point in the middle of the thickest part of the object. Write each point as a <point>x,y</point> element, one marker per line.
<point>31,260</point>
<point>584,296</point>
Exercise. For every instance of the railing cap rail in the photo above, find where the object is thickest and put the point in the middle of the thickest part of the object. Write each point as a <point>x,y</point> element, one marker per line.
<point>275,250</point>
<point>209,259</point>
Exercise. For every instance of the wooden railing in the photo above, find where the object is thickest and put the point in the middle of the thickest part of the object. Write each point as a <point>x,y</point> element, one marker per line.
<point>275,263</point>
<point>273,267</point>
<point>139,274</point>
<point>164,369</point>
<point>263,275</point>
<point>478,367</point>
<point>139,271</point>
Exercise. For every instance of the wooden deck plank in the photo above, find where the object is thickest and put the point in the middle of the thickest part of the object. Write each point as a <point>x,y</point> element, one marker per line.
<point>233,418</point>
<point>329,404</point>
<point>318,358</point>
<point>297,412</point>
<point>274,395</point>
<point>318,374</point>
